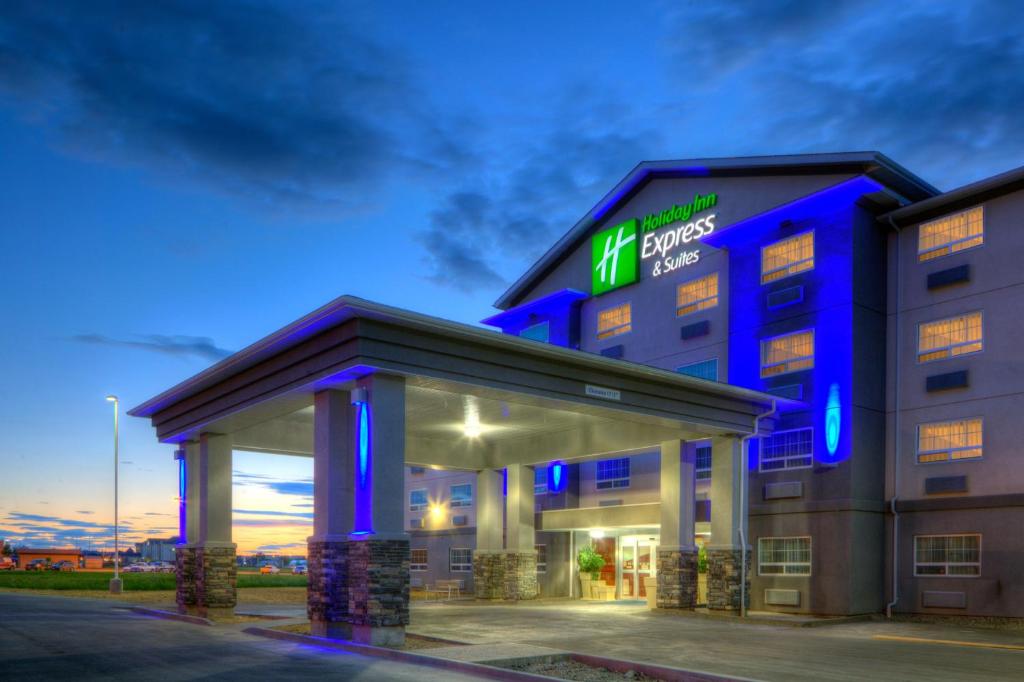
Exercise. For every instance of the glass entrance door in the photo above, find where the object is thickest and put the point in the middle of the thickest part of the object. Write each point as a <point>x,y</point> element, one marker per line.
<point>637,560</point>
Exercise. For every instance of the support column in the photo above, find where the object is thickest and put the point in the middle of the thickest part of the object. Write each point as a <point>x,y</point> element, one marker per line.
<point>488,557</point>
<point>215,567</point>
<point>520,570</point>
<point>677,554</point>
<point>725,552</point>
<point>333,437</point>
<point>378,549</point>
<point>185,552</point>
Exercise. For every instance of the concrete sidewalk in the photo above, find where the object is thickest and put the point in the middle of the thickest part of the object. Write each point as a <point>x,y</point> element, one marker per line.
<point>847,651</point>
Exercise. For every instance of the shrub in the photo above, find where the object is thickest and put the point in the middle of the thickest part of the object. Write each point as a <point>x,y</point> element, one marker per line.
<point>590,562</point>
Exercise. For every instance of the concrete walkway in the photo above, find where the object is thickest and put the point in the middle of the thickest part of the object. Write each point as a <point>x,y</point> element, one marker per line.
<point>850,651</point>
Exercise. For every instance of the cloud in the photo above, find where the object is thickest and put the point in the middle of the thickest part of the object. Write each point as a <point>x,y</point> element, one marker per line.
<point>540,185</point>
<point>256,512</point>
<point>84,511</point>
<point>936,85</point>
<point>299,488</point>
<point>277,548</point>
<point>271,523</point>
<point>272,101</point>
<point>178,346</point>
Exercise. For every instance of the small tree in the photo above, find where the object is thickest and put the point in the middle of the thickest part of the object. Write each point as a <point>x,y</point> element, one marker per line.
<point>6,551</point>
<point>590,562</point>
<point>702,560</point>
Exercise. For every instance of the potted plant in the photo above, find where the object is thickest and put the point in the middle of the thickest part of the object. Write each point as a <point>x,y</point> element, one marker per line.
<point>702,575</point>
<point>590,564</point>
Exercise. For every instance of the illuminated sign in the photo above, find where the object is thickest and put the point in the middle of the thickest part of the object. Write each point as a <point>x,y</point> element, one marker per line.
<point>614,262</point>
<point>833,419</point>
<point>614,251</point>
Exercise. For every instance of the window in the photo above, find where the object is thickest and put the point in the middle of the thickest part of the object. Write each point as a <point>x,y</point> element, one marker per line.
<point>948,235</point>
<point>614,321</point>
<point>784,556</point>
<point>417,559</point>
<point>787,353</point>
<point>705,369</point>
<point>947,555</point>
<point>948,338</point>
<point>697,294</point>
<point>460,560</point>
<point>787,257</point>
<point>462,495</point>
<point>613,473</point>
<point>418,500</point>
<point>787,450</point>
<point>537,332</point>
<point>949,441</point>
<point>542,558</point>
<point>540,480</point>
<point>704,462</point>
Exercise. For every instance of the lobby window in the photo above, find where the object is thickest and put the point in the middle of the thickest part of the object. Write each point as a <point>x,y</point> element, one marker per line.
<point>697,294</point>
<point>460,560</point>
<point>703,462</point>
<point>949,441</point>
<point>418,500</point>
<point>537,332</point>
<point>462,495</point>
<point>704,369</point>
<point>417,559</point>
<point>787,450</point>
<point>787,353</point>
<point>614,321</point>
<point>950,234</point>
<point>787,257</point>
<point>784,556</point>
<point>947,555</point>
<point>542,558</point>
<point>950,337</point>
<point>613,473</point>
<point>540,480</point>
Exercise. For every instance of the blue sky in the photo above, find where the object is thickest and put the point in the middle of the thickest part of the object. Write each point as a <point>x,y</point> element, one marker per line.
<point>182,178</point>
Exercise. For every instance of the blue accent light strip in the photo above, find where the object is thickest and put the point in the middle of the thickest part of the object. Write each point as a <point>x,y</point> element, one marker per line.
<point>556,477</point>
<point>364,476</point>
<point>833,420</point>
<point>182,501</point>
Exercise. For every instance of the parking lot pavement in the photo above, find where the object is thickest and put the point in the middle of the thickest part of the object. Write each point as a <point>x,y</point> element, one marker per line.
<point>828,653</point>
<point>56,638</point>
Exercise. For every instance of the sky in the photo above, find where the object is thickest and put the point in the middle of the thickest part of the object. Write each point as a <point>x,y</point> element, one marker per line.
<point>179,179</point>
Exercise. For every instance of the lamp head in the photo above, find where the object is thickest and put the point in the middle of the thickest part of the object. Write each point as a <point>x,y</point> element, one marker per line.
<point>111,398</point>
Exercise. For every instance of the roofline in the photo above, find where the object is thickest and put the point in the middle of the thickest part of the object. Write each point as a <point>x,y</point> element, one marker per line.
<point>880,167</point>
<point>961,197</point>
<point>345,308</point>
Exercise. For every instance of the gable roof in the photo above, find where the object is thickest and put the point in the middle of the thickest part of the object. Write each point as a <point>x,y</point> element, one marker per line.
<point>873,164</point>
<point>961,197</point>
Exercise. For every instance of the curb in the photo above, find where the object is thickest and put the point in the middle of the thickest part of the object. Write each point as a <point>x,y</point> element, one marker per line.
<point>659,671</point>
<point>171,615</point>
<point>477,669</point>
<point>777,622</point>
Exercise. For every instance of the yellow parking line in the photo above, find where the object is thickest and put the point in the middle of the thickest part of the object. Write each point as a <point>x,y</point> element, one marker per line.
<point>954,642</point>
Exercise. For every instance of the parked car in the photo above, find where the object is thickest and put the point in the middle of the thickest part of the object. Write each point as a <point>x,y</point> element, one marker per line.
<point>64,566</point>
<point>6,564</point>
<point>136,568</point>
<point>269,569</point>
<point>162,566</point>
<point>299,569</point>
<point>36,565</point>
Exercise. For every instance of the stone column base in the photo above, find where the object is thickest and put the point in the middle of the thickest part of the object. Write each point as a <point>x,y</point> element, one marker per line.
<point>499,574</point>
<point>327,593</point>
<point>206,580</point>
<point>378,590</point>
<point>677,577</point>
<point>724,568</point>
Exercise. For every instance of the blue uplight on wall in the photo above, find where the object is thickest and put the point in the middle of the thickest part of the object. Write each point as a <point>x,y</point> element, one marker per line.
<point>182,501</point>
<point>833,419</point>
<point>557,475</point>
<point>364,478</point>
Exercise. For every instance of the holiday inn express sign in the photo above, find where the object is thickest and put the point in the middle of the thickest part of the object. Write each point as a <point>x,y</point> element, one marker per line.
<point>616,252</point>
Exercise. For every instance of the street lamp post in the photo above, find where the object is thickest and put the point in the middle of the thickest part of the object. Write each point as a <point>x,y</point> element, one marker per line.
<point>115,583</point>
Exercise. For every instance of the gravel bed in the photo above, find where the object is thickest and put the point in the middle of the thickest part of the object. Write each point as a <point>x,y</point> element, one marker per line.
<point>578,672</point>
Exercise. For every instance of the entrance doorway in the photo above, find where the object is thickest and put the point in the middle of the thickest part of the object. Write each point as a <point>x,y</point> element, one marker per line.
<point>636,561</point>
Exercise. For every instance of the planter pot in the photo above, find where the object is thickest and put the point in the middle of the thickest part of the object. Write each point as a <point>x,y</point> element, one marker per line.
<point>702,589</point>
<point>651,588</point>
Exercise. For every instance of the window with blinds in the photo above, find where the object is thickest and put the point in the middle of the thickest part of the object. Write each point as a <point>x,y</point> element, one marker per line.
<point>951,234</point>
<point>950,337</point>
<point>787,257</point>
<point>787,353</point>
<point>949,441</point>
<point>947,555</point>
<point>784,556</point>
<point>614,321</point>
<point>697,294</point>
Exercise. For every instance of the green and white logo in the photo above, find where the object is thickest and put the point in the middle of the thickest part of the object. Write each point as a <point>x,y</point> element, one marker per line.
<point>614,262</point>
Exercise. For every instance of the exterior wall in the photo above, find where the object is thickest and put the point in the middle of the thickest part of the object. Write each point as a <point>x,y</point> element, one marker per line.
<point>992,502</point>
<point>643,487</point>
<point>440,514</point>
<point>438,543</point>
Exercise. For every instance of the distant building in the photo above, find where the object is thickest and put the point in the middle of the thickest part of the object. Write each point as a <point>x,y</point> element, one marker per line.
<point>157,549</point>
<point>51,555</point>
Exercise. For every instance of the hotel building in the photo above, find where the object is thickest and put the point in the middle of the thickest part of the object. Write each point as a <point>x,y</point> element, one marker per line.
<point>808,357</point>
